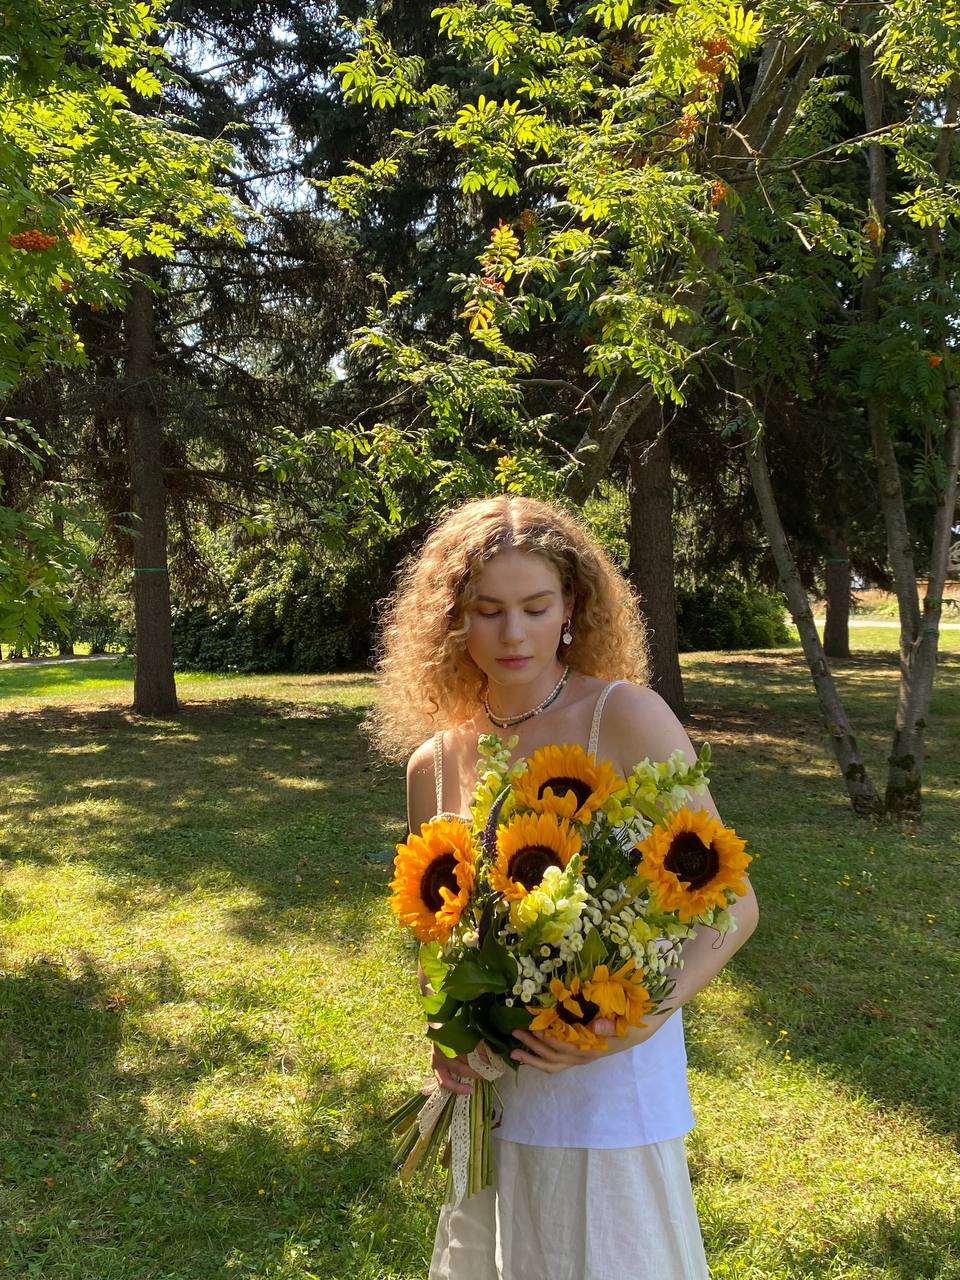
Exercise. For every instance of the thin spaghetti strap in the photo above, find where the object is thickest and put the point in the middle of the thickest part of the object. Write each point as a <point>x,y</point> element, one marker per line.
<point>438,767</point>
<point>597,713</point>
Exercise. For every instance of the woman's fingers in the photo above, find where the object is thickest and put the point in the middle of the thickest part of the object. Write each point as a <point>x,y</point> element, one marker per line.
<point>549,1055</point>
<point>454,1074</point>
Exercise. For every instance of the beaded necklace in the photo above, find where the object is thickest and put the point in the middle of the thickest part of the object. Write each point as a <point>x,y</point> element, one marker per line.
<point>508,721</point>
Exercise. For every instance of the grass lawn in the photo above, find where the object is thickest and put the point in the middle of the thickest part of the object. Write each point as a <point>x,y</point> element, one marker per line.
<point>205,1009</point>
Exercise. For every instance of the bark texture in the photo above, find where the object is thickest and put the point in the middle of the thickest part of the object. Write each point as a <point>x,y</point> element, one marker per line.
<point>836,630</point>
<point>650,491</point>
<point>154,688</point>
<point>860,788</point>
<point>919,635</point>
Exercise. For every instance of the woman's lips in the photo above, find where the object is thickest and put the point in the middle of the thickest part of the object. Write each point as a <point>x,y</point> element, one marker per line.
<point>513,662</point>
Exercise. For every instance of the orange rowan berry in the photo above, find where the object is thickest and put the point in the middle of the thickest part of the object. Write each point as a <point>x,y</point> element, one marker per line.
<point>717,46</point>
<point>528,219</point>
<point>688,124</point>
<point>872,229</point>
<point>718,192</point>
<point>34,240</point>
<point>934,360</point>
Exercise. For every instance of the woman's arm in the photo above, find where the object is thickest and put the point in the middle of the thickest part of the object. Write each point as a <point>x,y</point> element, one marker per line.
<point>637,724</point>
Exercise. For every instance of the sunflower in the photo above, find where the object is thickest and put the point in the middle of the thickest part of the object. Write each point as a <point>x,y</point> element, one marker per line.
<point>619,996</point>
<point>526,846</point>
<point>568,1020</point>
<point>434,874</point>
<point>693,862</point>
<point>566,781</point>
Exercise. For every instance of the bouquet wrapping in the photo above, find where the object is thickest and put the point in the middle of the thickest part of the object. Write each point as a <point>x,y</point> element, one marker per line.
<point>567,898</point>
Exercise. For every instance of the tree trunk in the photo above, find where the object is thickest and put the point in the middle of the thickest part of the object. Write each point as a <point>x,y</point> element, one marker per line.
<point>918,638</point>
<point>918,661</point>
<point>650,490</point>
<point>860,788</point>
<point>154,688</point>
<point>836,631</point>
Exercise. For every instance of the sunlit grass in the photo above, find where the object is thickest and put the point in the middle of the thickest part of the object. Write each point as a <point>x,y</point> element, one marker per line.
<point>205,1011</point>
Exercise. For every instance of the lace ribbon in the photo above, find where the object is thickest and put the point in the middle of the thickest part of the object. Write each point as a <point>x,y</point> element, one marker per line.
<point>489,1067</point>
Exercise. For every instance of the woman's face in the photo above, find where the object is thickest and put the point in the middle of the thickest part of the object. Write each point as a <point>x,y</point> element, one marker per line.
<point>516,618</point>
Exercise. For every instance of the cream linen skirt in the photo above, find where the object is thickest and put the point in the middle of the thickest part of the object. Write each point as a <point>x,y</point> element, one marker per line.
<point>570,1213</point>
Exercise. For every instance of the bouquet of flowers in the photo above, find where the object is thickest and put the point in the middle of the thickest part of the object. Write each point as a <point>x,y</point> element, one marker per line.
<point>567,898</point>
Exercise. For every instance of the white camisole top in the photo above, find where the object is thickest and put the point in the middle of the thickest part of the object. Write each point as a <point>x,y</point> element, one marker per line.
<point>625,1099</point>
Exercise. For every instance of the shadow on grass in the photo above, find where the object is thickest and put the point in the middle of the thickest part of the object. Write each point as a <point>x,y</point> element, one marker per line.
<point>855,959</point>
<point>96,1182</point>
<point>280,797</point>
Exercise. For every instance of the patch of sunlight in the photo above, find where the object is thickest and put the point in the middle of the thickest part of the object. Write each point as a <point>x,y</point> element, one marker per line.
<point>807,1131</point>
<point>294,782</point>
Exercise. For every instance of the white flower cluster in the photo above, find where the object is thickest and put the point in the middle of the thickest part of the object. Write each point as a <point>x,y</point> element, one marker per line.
<point>555,920</point>
<point>539,967</point>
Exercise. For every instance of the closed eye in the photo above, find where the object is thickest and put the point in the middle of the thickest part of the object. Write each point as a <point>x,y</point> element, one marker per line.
<point>533,613</point>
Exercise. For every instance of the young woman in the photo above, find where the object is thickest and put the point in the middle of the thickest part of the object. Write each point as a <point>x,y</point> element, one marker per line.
<point>513,620</point>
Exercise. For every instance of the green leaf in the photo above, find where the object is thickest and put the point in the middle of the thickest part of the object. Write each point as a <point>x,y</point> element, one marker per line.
<point>497,958</point>
<point>439,1007</point>
<point>456,1036</point>
<point>592,953</point>
<point>510,1019</point>
<point>433,965</point>
<point>471,978</point>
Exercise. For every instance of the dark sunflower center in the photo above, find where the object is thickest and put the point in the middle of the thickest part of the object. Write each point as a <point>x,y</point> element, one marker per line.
<point>691,860</point>
<point>590,1011</point>
<point>528,864</point>
<point>440,874</point>
<point>560,787</point>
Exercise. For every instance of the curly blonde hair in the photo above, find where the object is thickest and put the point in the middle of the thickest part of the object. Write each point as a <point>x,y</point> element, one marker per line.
<point>428,681</point>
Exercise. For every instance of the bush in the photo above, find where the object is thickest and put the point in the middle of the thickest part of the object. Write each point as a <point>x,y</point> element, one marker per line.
<point>729,615</point>
<point>297,609</point>
<point>218,641</point>
<point>100,618</point>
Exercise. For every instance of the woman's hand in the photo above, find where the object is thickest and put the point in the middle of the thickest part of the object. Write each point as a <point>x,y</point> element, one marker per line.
<point>546,1054</point>
<point>454,1074</point>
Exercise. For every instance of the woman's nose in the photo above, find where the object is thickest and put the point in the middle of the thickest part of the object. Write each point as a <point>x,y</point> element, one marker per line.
<point>512,629</point>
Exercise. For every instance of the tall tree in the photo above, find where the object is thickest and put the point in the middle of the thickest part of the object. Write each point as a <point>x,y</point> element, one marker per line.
<point>654,134</point>
<point>86,184</point>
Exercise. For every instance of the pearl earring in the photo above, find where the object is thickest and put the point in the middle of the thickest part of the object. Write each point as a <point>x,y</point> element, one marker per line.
<point>566,635</point>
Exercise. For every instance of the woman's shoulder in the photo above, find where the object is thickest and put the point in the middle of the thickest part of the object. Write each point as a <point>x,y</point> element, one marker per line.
<point>638,722</point>
<point>421,756</point>
<point>424,756</point>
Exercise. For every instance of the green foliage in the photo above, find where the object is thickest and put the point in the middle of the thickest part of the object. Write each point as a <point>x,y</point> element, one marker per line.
<point>37,561</point>
<point>729,615</point>
<point>207,640</point>
<point>302,610</point>
<point>634,138</point>
<point>88,181</point>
